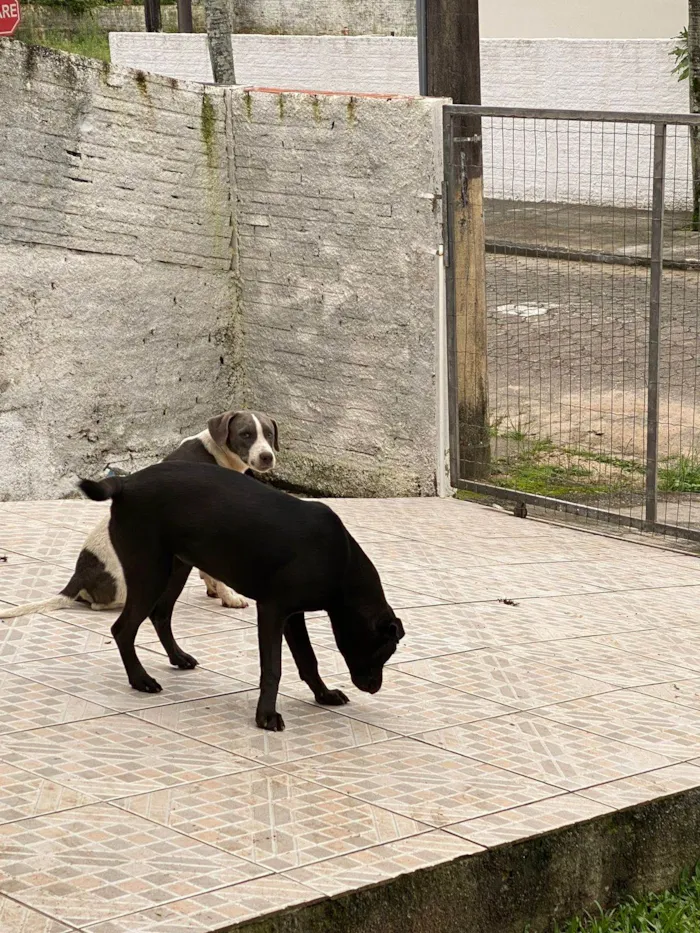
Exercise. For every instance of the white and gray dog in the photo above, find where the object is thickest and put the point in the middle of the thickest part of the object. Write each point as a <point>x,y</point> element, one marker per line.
<point>236,440</point>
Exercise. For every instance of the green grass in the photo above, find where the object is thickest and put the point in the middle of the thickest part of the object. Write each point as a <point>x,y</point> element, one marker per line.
<point>543,468</point>
<point>546,479</point>
<point>681,474</point>
<point>88,44</point>
<point>674,911</point>
<point>627,466</point>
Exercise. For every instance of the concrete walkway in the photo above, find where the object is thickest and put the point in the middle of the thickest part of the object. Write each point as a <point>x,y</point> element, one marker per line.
<point>547,676</point>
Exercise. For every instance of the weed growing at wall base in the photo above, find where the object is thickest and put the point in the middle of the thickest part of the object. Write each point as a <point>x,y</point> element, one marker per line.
<point>88,42</point>
<point>674,911</point>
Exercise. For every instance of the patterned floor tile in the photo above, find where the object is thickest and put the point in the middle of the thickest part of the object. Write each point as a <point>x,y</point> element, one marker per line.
<point>275,820</point>
<point>408,705</point>
<point>228,722</point>
<point>187,621</point>
<point>531,820</point>
<point>494,582</point>
<point>236,654</point>
<point>16,918</point>
<point>370,866</point>
<point>642,787</point>
<point>35,637</point>
<point>591,659</point>
<point>192,757</point>
<point>682,692</point>
<point>679,647</point>
<point>44,542</point>
<point>27,705</point>
<point>652,608</point>
<point>560,755</point>
<point>30,582</point>
<point>430,631</point>
<point>503,677</point>
<point>421,782</point>
<point>24,795</point>
<point>216,910</point>
<point>10,558</point>
<point>52,510</point>
<point>637,719</point>
<point>100,676</point>
<point>98,862</point>
<point>603,613</point>
<point>116,756</point>
<point>457,627</point>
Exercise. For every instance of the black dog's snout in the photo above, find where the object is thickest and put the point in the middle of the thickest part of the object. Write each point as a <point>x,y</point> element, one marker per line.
<point>265,459</point>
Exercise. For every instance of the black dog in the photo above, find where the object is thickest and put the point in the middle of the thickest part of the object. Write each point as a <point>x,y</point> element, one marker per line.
<point>291,556</point>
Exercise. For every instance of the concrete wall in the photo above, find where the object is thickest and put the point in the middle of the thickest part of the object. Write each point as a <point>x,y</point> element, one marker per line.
<point>107,18</point>
<point>606,75</point>
<point>169,251</point>
<point>338,229</point>
<point>554,73</point>
<point>583,19</point>
<point>537,19</point>
<point>117,311</point>
<point>579,161</point>
<point>361,65</point>
<point>332,17</point>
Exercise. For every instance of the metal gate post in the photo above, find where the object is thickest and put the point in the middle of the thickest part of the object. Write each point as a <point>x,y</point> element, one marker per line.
<point>657,243</point>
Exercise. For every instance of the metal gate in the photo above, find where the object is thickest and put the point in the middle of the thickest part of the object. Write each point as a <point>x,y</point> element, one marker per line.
<point>573,293</point>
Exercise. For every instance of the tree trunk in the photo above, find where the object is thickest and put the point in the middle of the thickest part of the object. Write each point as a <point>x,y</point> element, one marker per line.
<point>151,12</point>
<point>219,40</point>
<point>694,84</point>
<point>184,16</point>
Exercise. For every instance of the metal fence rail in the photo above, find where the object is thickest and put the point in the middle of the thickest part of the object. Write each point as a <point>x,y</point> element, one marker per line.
<point>574,384</point>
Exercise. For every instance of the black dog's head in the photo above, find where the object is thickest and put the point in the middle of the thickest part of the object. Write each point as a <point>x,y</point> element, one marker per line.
<point>367,647</point>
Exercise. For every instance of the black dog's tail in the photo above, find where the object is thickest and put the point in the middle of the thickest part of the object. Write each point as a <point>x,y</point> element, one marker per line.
<point>104,489</point>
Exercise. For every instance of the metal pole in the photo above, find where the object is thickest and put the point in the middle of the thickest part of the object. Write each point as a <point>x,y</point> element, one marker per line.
<point>422,48</point>
<point>184,16</point>
<point>657,238</point>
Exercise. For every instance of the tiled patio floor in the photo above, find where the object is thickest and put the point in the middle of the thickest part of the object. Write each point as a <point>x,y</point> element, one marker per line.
<point>122,812</point>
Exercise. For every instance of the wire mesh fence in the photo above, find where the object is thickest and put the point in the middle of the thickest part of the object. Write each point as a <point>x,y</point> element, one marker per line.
<point>592,284</point>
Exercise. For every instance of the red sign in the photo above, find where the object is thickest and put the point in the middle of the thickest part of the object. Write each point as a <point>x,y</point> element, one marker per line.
<point>9,16</point>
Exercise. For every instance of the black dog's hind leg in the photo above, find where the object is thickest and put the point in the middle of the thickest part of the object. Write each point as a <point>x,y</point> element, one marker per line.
<point>270,628</point>
<point>302,650</point>
<point>145,585</point>
<point>162,615</point>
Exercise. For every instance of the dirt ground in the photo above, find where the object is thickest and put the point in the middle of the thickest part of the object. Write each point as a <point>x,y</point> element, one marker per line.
<point>568,354</point>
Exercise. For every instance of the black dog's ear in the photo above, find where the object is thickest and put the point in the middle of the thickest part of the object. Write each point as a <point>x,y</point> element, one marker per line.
<point>275,435</point>
<point>394,629</point>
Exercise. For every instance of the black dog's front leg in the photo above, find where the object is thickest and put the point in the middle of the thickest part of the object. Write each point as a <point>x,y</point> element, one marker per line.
<point>302,650</point>
<point>270,628</point>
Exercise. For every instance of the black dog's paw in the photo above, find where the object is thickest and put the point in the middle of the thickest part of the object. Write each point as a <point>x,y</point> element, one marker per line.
<point>183,660</point>
<point>146,684</point>
<point>273,722</point>
<point>332,698</point>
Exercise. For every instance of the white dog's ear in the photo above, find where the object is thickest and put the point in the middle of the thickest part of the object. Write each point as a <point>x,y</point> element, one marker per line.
<point>219,425</point>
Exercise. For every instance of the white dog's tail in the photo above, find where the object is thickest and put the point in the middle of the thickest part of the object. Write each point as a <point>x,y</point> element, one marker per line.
<point>56,602</point>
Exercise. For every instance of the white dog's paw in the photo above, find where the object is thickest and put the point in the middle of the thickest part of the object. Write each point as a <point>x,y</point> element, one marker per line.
<point>230,598</point>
